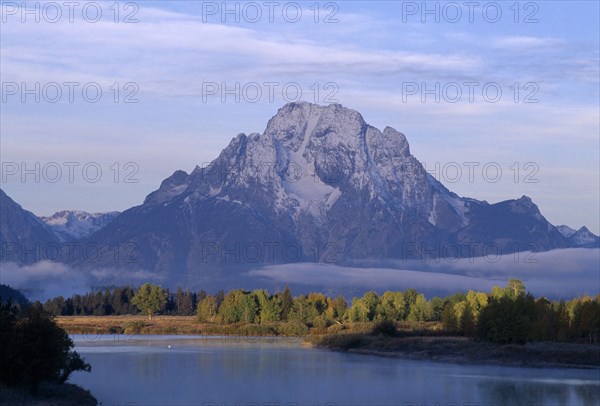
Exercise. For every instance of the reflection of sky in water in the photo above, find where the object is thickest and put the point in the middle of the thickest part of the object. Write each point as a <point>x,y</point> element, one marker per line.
<point>144,370</point>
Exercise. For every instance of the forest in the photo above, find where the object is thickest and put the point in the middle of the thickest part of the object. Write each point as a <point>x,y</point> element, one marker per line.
<point>504,315</point>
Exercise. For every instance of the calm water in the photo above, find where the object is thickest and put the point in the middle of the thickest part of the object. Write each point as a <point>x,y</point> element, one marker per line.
<point>143,370</point>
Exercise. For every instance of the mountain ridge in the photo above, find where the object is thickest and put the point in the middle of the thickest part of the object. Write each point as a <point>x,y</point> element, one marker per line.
<point>320,176</point>
<point>71,225</point>
<point>319,184</point>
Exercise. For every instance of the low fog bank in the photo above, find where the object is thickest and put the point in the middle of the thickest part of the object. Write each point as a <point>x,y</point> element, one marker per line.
<point>555,274</point>
<point>44,280</point>
<point>564,273</point>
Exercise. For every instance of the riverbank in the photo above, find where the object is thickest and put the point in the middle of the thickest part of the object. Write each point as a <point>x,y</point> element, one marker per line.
<point>47,395</point>
<point>418,340</point>
<point>177,325</point>
<point>462,350</point>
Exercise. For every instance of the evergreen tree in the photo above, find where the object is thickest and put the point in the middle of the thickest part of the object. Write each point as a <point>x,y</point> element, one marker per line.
<point>286,303</point>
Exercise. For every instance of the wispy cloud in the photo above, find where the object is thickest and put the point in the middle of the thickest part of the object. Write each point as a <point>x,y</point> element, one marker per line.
<point>44,280</point>
<point>557,274</point>
<point>526,43</point>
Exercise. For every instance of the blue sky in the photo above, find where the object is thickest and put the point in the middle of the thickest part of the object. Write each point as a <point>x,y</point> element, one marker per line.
<point>376,57</point>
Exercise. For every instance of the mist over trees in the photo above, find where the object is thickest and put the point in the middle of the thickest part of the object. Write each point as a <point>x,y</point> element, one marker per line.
<point>505,315</point>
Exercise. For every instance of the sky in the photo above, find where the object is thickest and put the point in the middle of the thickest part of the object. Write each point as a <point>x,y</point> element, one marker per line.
<point>101,101</point>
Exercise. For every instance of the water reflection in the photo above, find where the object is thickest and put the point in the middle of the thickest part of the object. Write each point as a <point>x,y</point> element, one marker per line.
<point>145,370</point>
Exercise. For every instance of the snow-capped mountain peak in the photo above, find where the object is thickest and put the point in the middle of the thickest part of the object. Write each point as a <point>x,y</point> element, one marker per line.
<point>566,230</point>
<point>584,238</point>
<point>70,225</point>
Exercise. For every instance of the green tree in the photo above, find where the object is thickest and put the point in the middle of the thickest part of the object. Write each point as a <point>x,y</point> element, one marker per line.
<point>230,310</point>
<point>365,308</point>
<point>239,306</point>
<point>410,297</point>
<point>207,309</point>
<point>150,299</point>
<point>507,320</point>
<point>586,319</point>
<point>391,307</point>
<point>420,310</point>
<point>286,303</point>
<point>269,308</point>
<point>449,320</point>
<point>301,311</point>
<point>437,308</point>
<point>515,289</point>
<point>249,308</point>
<point>318,302</point>
<point>467,322</point>
<point>184,302</point>
<point>33,348</point>
<point>336,308</point>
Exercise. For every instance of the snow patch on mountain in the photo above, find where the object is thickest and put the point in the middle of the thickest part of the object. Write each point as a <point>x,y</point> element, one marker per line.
<point>70,225</point>
<point>566,230</point>
<point>583,237</point>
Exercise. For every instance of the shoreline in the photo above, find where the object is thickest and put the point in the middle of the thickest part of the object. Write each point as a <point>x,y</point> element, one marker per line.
<point>431,346</point>
<point>465,351</point>
<point>51,394</point>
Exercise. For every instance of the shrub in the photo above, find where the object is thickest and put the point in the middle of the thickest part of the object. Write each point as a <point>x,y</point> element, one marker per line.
<point>293,328</point>
<point>385,328</point>
<point>134,327</point>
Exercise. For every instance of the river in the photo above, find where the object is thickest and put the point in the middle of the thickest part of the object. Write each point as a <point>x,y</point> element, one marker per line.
<point>241,371</point>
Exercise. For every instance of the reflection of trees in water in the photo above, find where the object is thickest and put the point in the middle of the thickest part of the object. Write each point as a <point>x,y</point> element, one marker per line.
<point>588,394</point>
<point>149,366</point>
<point>535,393</point>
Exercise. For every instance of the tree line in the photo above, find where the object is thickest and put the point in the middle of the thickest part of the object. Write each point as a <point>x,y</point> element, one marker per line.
<point>505,315</point>
<point>117,300</point>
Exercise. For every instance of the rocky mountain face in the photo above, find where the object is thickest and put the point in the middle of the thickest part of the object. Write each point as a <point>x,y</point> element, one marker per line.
<point>71,225</point>
<point>319,184</point>
<point>23,237</point>
<point>582,238</point>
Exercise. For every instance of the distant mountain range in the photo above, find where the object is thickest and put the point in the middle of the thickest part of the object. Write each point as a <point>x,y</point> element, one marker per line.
<point>319,184</point>
<point>583,237</point>
<point>71,225</point>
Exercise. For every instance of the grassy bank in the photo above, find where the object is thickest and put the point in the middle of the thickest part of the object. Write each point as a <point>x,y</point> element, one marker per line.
<point>47,394</point>
<point>464,350</point>
<point>179,325</point>
<point>129,325</point>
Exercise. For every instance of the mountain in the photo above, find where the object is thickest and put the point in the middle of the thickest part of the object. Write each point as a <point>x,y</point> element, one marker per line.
<point>23,237</point>
<point>71,225</point>
<point>582,238</point>
<point>566,231</point>
<point>319,184</point>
